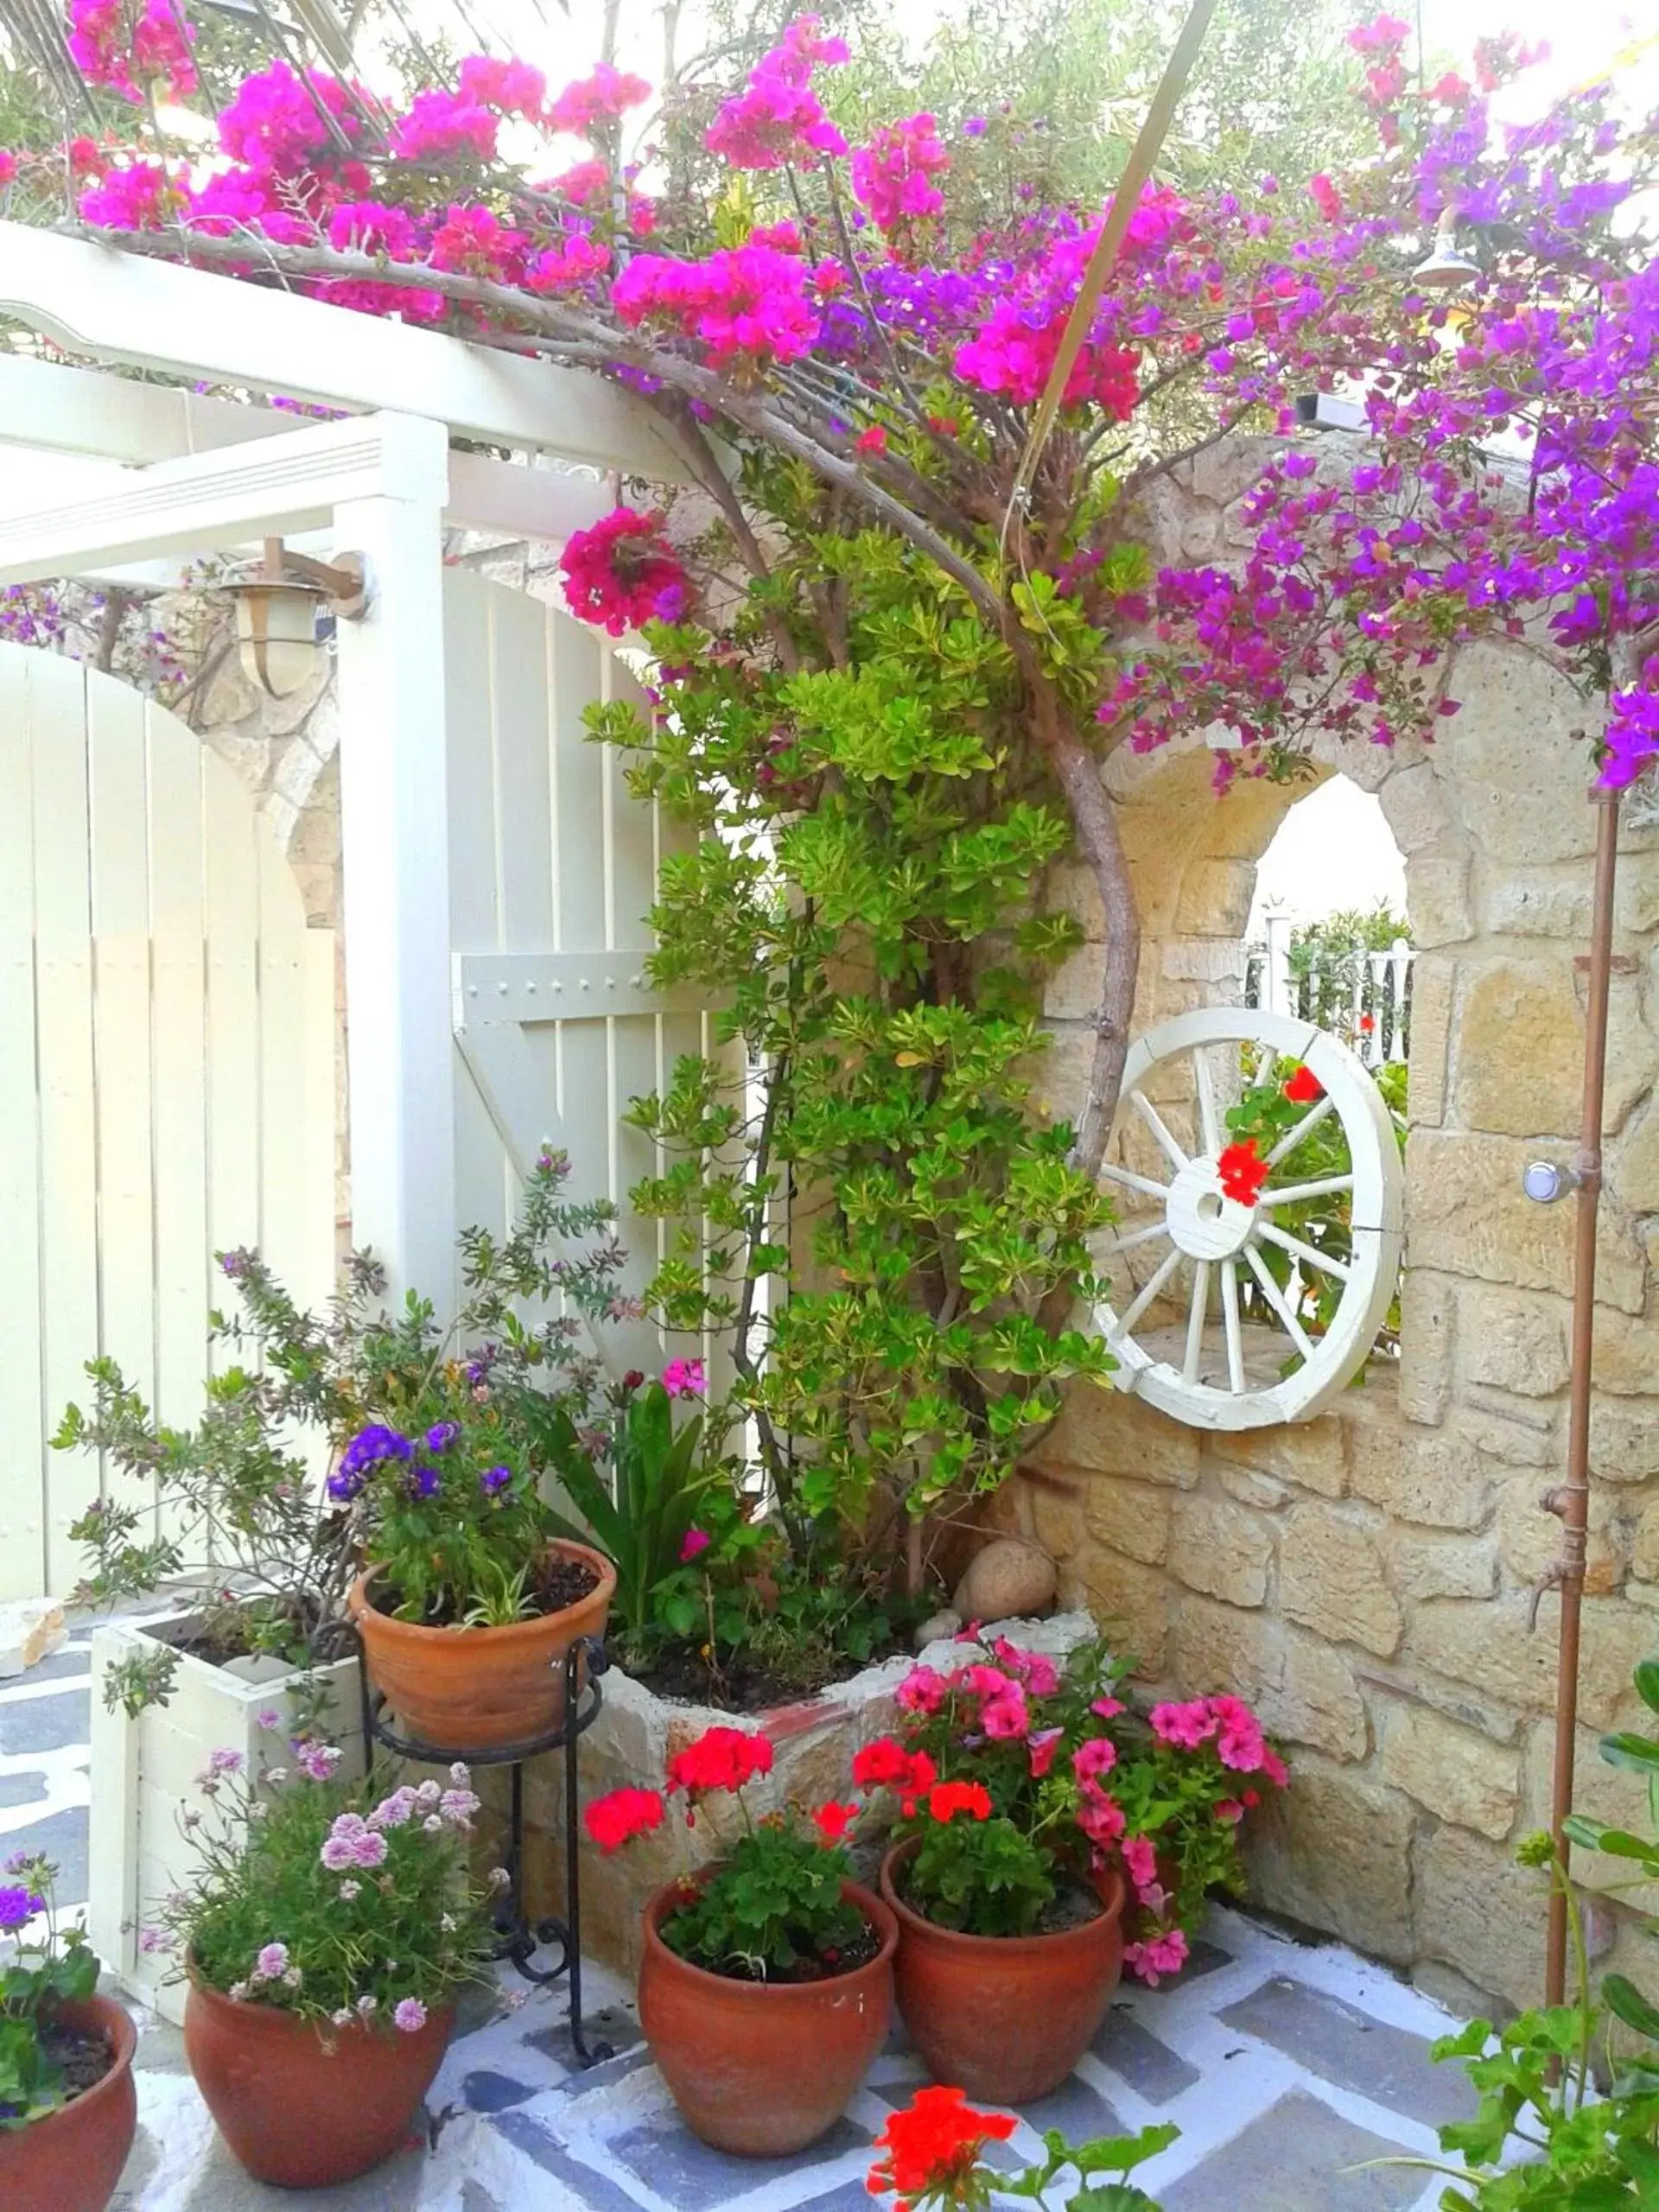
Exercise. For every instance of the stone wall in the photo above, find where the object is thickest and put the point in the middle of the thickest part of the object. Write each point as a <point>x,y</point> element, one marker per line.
<point>1368,1577</point>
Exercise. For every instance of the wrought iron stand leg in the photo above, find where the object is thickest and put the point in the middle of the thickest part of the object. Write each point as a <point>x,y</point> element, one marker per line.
<point>573,1865</point>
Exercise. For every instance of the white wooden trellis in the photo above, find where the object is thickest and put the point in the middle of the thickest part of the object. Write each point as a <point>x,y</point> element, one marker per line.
<point>167,1072</point>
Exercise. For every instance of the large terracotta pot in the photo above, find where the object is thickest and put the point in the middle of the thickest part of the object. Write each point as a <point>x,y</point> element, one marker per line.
<point>294,2114</point>
<point>72,2160</point>
<point>1005,2017</point>
<point>763,2069</point>
<point>478,1689</point>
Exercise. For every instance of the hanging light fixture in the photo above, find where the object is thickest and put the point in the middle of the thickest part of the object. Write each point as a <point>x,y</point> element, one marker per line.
<point>276,613</point>
<point>1447,269</point>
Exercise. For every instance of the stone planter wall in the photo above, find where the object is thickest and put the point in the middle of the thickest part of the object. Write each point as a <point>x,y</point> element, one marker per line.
<point>638,1731</point>
<point>1368,1578</point>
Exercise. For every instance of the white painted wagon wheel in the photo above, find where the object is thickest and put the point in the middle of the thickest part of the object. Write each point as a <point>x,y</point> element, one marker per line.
<point>1207,1245</point>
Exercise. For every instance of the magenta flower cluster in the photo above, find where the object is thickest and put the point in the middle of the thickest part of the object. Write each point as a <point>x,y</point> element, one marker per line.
<point>621,573</point>
<point>778,120</point>
<point>130,47</point>
<point>892,175</point>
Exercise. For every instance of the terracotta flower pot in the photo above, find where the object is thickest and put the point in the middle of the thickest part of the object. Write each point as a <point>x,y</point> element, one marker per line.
<point>1005,2017</point>
<point>294,2114</point>
<point>763,2069</point>
<point>72,2160</point>
<point>476,1689</point>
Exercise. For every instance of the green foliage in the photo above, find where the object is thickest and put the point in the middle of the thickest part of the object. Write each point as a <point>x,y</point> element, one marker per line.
<point>1327,957</point>
<point>45,1969</point>
<point>772,1911</point>
<point>235,1498</point>
<point>981,1877</point>
<point>403,1920</point>
<point>142,1678</point>
<point>871,818</point>
<point>642,1510</point>
<point>1091,2162</point>
<point>1537,2078</point>
<point>1265,1114</point>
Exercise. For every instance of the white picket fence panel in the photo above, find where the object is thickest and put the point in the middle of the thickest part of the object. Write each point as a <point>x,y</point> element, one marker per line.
<point>553,868</point>
<point>167,1072</point>
<point>1364,996</point>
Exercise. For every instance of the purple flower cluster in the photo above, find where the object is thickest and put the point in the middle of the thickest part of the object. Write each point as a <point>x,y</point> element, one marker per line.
<point>369,1448</point>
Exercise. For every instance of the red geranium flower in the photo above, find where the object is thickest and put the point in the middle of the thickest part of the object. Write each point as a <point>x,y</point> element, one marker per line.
<point>615,1820</point>
<point>946,1799</point>
<point>1304,1087</point>
<point>1367,1023</point>
<point>832,1820</point>
<point>934,2145</point>
<point>722,1758</point>
<point>1243,1171</point>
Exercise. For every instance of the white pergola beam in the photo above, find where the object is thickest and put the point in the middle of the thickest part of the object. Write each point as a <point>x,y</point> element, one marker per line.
<point>203,501</point>
<point>155,314</point>
<point>61,409</point>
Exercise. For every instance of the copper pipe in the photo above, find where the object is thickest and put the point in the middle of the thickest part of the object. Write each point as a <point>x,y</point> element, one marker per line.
<point>1571,1501</point>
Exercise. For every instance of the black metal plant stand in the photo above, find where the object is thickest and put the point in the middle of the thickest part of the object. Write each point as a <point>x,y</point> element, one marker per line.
<point>517,1938</point>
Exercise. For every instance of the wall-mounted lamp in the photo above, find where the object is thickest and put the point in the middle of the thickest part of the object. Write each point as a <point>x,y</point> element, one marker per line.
<point>1447,268</point>
<point>277,613</point>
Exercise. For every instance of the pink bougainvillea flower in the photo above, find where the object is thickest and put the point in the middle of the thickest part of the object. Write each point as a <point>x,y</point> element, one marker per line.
<point>620,574</point>
<point>892,176</point>
<point>684,1378</point>
<point>596,99</point>
<point>778,120</point>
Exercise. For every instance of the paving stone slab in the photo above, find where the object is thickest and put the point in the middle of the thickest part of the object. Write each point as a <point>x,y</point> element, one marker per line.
<point>1297,2157</point>
<point>1137,2056</point>
<point>21,1789</point>
<point>223,2186</point>
<point>693,2178</point>
<point>53,1722</point>
<point>597,2190</point>
<point>1076,2109</point>
<point>60,1837</point>
<point>1342,2044</point>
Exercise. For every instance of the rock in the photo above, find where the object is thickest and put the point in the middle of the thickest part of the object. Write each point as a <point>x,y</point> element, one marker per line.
<point>1334,1852</point>
<point>1454,1774</point>
<point>1011,1575</point>
<point>1331,1579</point>
<point>938,1628</point>
<point>31,1628</point>
<point>1222,1549</point>
<point>1466,1214</point>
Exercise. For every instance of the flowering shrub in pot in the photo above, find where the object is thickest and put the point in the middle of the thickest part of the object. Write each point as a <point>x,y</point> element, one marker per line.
<point>324,1934</point>
<point>935,2161</point>
<point>767,1987</point>
<point>1003,1875</point>
<point>68,2109</point>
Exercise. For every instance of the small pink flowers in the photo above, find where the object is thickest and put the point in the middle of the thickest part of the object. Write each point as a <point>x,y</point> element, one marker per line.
<point>684,1378</point>
<point>409,2016</point>
<point>319,1760</point>
<point>1156,1956</point>
<point>892,176</point>
<point>272,1963</point>
<point>620,574</point>
<point>922,1691</point>
<point>117,43</point>
<point>694,1541</point>
<point>1092,1759</point>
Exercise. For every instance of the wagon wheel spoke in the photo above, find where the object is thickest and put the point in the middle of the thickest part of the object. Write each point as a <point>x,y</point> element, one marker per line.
<point>1235,1334</point>
<point>1195,1321</point>
<point>1147,1235</point>
<point>1307,1254</point>
<point>1293,1137</point>
<point>1154,1120</point>
<point>1275,1298</point>
<point>1130,1181</point>
<point>1293,1193</point>
<point>1209,1111</point>
<point>1144,1296</point>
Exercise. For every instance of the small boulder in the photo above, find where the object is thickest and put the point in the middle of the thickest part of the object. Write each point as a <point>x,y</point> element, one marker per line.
<point>938,1628</point>
<point>31,1628</point>
<point>1012,1575</point>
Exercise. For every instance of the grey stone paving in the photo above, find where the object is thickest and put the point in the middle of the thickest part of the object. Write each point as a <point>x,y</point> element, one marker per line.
<point>1286,2068</point>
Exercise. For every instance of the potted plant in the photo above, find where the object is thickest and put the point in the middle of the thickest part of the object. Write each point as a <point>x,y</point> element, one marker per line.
<point>1184,1782</point>
<point>324,1934</point>
<point>231,1511</point>
<point>767,1985</point>
<point>68,2109</point>
<point>1004,1877</point>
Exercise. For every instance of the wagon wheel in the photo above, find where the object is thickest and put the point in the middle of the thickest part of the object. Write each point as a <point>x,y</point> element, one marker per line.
<point>1199,1248</point>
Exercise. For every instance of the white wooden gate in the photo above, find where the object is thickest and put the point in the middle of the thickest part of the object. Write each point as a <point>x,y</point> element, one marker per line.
<point>552,868</point>
<point>167,1072</point>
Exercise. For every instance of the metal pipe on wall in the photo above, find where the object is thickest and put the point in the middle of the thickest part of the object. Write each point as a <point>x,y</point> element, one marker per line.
<point>1572,1500</point>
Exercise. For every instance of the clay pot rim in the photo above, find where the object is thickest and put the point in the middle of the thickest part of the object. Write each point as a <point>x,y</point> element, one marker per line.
<point>1113,1901</point>
<point>277,2020</point>
<point>874,1908</point>
<point>510,1632</point>
<point>123,2033</point>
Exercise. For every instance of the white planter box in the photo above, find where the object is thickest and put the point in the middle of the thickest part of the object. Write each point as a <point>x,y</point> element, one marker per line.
<point>143,1778</point>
